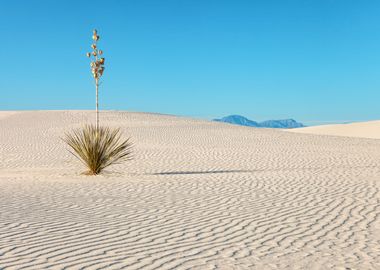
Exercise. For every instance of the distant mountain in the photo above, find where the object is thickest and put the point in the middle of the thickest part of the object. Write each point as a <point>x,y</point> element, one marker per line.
<point>238,120</point>
<point>285,123</point>
<point>243,121</point>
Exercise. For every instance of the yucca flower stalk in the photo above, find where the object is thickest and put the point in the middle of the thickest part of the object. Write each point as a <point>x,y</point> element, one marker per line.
<point>97,68</point>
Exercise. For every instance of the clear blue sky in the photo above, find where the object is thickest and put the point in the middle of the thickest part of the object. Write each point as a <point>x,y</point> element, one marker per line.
<point>312,60</point>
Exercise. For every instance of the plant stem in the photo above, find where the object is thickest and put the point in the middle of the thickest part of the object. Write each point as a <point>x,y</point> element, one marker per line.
<point>97,103</point>
<point>97,87</point>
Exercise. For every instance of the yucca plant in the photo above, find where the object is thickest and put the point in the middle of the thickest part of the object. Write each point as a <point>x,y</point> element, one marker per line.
<point>98,148</point>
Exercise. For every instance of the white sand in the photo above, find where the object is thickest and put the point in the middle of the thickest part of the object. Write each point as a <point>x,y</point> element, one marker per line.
<point>5,114</point>
<point>198,195</point>
<point>369,130</point>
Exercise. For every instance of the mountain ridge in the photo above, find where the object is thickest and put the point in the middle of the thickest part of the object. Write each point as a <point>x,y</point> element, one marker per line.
<point>243,121</point>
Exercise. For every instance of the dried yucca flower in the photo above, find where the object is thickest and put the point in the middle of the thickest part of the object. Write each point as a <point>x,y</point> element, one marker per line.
<point>95,35</point>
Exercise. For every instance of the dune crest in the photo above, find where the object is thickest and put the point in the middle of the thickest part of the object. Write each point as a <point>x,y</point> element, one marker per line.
<point>369,130</point>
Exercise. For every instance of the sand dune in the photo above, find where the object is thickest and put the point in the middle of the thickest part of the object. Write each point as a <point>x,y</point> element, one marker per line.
<point>198,195</point>
<point>369,130</point>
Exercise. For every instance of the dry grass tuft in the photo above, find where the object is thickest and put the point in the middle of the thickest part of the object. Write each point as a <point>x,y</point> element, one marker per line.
<point>98,148</point>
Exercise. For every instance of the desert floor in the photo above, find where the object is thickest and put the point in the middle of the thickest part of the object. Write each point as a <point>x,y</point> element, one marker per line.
<point>198,195</point>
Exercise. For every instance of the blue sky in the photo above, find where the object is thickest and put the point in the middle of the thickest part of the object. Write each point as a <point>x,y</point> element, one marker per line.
<point>313,60</point>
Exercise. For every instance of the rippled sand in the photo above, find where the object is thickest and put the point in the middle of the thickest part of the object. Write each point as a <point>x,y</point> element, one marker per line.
<point>198,195</point>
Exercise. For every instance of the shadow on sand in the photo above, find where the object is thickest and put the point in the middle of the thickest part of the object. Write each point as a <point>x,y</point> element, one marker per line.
<point>200,172</point>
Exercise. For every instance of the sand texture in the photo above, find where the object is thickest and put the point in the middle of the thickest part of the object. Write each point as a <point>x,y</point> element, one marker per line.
<point>370,130</point>
<point>198,195</point>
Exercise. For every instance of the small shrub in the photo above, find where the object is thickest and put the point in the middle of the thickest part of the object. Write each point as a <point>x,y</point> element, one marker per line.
<point>98,148</point>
